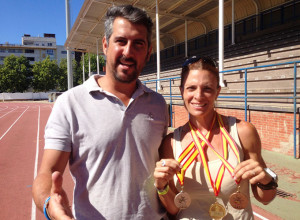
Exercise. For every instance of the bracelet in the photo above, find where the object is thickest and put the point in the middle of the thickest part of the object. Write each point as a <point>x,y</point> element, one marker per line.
<point>45,209</point>
<point>164,191</point>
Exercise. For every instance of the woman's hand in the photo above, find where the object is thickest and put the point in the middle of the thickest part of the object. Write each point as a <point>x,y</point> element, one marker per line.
<point>252,170</point>
<point>164,172</point>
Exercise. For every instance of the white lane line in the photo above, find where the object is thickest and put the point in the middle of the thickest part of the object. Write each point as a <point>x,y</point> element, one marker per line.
<point>9,112</point>
<point>33,206</point>
<point>13,124</point>
<point>5,107</point>
<point>259,216</point>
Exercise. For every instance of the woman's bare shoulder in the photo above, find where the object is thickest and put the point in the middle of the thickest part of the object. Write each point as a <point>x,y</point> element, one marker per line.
<point>166,150</point>
<point>249,138</point>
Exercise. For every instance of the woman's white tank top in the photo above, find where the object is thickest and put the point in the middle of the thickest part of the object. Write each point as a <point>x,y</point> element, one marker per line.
<point>197,185</point>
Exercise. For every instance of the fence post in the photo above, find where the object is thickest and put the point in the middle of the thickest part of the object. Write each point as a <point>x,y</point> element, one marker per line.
<point>171,111</point>
<point>295,110</point>
<point>246,95</point>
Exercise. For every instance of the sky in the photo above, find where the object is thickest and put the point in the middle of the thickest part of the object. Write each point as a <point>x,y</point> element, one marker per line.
<point>35,17</point>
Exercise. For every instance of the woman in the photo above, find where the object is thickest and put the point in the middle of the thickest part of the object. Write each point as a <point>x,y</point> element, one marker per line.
<point>208,163</point>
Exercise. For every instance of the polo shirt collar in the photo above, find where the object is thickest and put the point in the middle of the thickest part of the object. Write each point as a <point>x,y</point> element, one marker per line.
<point>92,85</point>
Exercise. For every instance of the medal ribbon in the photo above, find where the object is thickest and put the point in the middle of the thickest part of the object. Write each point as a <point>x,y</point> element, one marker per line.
<point>231,142</point>
<point>228,138</point>
<point>225,138</point>
<point>189,155</point>
<point>186,158</point>
<point>216,187</point>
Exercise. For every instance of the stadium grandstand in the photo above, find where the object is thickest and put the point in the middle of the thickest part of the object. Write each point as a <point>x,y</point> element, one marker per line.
<point>258,60</point>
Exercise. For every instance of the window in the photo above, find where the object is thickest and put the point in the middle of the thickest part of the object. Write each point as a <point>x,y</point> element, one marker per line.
<point>28,42</point>
<point>30,58</point>
<point>29,51</point>
<point>11,50</point>
<point>63,52</point>
<point>50,52</point>
<point>2,58</point>
<point>49,44</point>
<point>2,50</point>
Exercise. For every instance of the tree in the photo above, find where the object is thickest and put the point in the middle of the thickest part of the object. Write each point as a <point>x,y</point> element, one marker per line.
<point>1,75</point>
<point>93,58</point>
<point>16,74</point>
<point>62,79</point>
<point>45,75</point>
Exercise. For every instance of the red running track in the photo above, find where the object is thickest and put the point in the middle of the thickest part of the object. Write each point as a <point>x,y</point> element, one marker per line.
<point>21,147</point>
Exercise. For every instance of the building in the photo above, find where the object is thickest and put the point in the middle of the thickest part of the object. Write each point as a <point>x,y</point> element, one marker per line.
<point>35,49</point>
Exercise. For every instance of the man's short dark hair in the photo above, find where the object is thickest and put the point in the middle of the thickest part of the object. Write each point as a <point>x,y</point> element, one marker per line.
<point>132,14</point>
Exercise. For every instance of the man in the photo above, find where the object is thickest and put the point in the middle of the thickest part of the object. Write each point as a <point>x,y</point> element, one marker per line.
<point>109,129</point>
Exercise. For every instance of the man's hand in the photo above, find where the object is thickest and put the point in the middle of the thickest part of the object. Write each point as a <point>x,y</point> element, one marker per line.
<point>59,208</point>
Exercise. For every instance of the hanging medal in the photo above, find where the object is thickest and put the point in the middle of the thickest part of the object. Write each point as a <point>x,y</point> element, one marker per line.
<point>216,210</point>
<point>237,200</point>
<point>182,200</point>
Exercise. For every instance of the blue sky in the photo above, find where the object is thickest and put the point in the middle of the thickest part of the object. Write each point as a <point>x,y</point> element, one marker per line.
<point>35,17</point>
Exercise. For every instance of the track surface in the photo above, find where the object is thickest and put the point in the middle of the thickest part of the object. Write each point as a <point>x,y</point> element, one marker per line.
<point>21,145</point>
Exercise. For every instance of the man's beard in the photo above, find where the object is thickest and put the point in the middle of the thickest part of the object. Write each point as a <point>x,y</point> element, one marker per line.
<point>129,78</point>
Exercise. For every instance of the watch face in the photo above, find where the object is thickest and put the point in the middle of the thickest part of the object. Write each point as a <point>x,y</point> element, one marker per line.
<point>272,174</point>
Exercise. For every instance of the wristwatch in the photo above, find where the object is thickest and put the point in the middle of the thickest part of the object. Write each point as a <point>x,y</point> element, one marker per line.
<point>271,185</point>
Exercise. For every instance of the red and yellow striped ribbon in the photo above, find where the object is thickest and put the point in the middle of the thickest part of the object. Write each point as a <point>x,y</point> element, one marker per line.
<point>186,158</point>
<point>226,138</point>
<point>189,154</point>
<point>217,184</point>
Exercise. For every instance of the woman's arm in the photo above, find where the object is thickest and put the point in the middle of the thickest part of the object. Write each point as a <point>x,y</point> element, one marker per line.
<point>252,167</point>
<point>164,171</point>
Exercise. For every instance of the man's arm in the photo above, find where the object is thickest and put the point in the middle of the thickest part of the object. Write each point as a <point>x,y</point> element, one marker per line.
<point>53,160</point>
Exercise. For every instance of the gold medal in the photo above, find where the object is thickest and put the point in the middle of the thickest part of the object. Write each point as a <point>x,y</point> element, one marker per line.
<point>238,200</point>
<point>217,211</point>
<point>182,200</point>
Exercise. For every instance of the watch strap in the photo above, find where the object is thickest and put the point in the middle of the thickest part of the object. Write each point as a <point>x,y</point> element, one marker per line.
<point>269,186</point>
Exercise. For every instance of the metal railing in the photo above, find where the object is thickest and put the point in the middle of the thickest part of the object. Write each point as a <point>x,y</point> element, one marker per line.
<point>245,97</point>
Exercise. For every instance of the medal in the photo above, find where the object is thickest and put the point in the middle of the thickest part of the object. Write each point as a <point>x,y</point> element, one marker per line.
<point>195,148</point>
<point>217,211</point>
<point>238,200</point>
<point>182,200</point>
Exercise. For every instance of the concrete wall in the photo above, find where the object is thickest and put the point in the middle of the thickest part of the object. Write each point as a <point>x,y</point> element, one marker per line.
<point>24,96</point>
